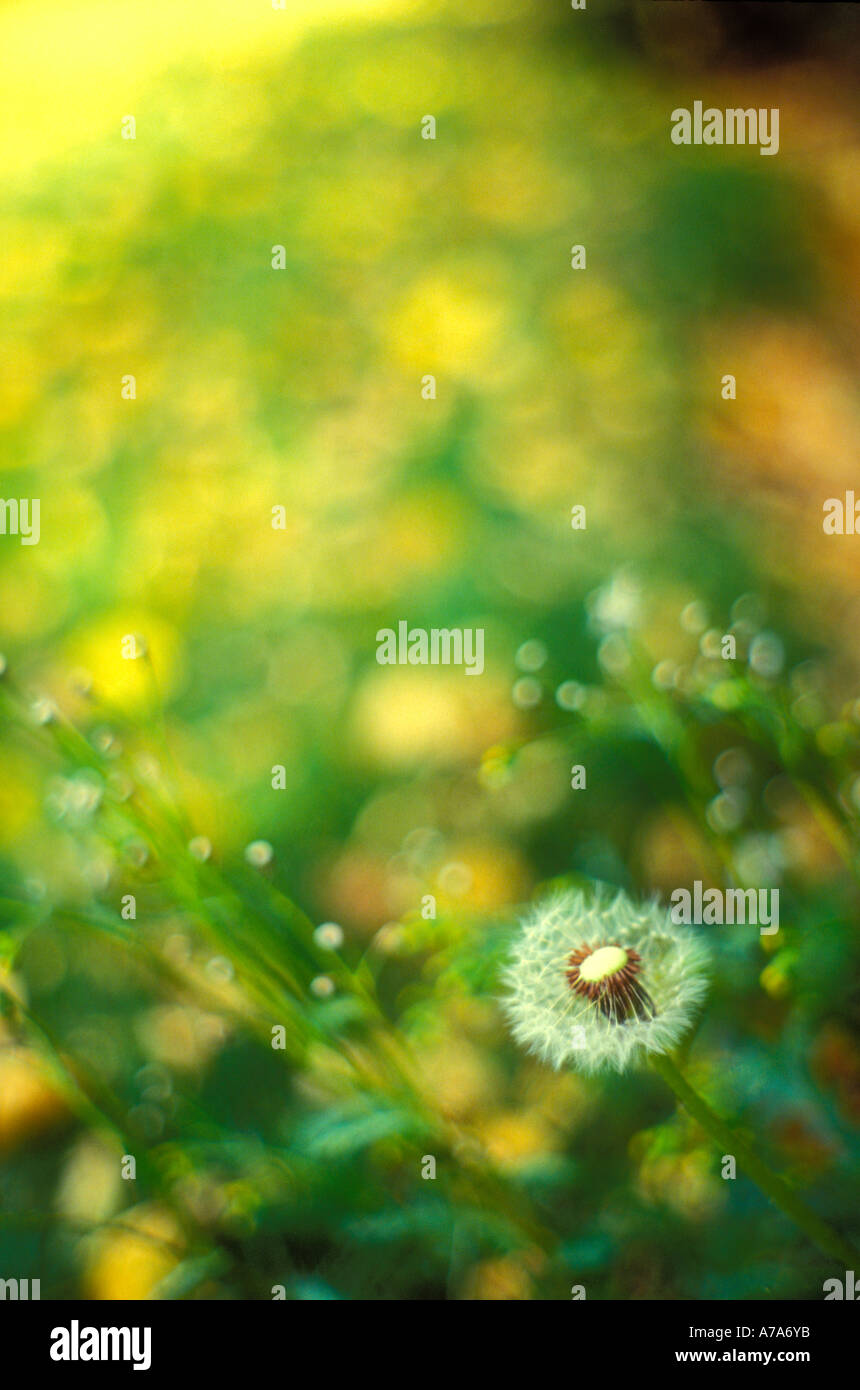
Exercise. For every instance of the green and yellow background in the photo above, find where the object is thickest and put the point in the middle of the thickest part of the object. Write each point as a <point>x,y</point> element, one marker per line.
<point>301,1168</point>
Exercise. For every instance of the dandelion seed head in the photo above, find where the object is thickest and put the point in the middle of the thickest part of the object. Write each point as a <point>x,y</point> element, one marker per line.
<point>259,853</point>
<point>322,986</point>
<point>597,983</point>
<point>329,935</point>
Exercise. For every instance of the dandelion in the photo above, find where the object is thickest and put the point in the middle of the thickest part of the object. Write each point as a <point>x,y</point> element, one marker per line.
<point>601,984</point>
<point>259,853</point>
<point>329,936</point>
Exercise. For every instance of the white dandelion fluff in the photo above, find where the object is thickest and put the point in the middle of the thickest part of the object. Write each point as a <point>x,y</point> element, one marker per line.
<point>329,936</point>
<point>598,983</point>
<point>259,853</point>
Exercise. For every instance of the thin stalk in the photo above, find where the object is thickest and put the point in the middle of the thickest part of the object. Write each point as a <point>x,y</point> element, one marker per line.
<point>771,1184</point>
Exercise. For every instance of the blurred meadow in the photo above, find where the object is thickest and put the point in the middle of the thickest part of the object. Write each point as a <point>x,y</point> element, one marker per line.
<point>301,1166</point>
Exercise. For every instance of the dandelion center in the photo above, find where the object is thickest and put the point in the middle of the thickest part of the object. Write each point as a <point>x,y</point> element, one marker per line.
<point>608,977</point>
<point>606,961</point>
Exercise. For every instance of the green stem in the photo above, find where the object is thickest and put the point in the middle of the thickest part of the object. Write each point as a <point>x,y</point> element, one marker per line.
<point>772,1184</point>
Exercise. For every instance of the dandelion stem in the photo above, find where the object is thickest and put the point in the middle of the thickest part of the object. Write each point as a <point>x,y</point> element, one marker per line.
<point>771,1184</point>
